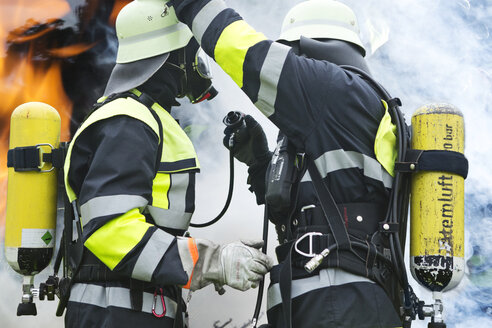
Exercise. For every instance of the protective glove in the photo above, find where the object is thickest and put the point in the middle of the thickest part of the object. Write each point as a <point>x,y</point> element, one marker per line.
<point>249,145</point>
<point>239,265</point>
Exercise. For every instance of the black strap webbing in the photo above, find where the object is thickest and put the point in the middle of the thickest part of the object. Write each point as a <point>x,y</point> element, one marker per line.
<point>57,156</point>
<point>337,227</point>
<point>285,284</point>
<point>24,158</point>
<point>434,160</point>
<point>330,209</point>
<point>178,319</point>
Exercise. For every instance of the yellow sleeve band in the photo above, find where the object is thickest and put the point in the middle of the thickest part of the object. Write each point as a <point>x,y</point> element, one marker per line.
<point>232,46</point>
<point>160,190</point>
<point>112,242</point>
<point>385,146</point>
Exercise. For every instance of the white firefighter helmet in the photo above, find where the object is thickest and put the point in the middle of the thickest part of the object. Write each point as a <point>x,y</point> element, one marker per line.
<point>321,19</point>
<point>147,28</point>
<point>147,31</point>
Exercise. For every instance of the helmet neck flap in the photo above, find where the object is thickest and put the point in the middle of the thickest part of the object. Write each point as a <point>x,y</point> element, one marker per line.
<point>335,51</point>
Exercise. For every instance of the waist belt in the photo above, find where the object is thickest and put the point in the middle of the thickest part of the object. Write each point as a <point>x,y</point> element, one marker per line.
<point>92,270</point>
<point>360,219</point>
<point>364,257</point>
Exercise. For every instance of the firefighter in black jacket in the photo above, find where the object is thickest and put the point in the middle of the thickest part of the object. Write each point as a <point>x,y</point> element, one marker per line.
<point>331,119</point>
<point>130,174</point>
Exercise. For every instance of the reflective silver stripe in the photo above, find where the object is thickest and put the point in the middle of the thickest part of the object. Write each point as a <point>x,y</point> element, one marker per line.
<point>185,255</point>
<point>109,205</point>
<point>151,255</point>
<point>325,22</point>
<point>205,16</point>
<point>118,297</point>
<point>339,159</point>
<point>269,77</point>
<point>170,218</point>
<point>177,193</point>
<point>326,278</point>
<point>175,217</point>
<point>306,177</point>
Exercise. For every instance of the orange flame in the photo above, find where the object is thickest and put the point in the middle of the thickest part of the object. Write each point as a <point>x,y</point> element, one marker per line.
<point>23,76</point>
<point>116,9</point>
<point>20,80</point>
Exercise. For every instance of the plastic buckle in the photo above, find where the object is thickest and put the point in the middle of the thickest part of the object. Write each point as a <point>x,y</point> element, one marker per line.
<point>310,235</point>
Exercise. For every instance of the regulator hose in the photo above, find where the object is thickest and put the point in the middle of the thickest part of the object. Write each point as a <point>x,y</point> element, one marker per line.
<point>233,120</point>
<point>229,197</point>
<point>261,285</point>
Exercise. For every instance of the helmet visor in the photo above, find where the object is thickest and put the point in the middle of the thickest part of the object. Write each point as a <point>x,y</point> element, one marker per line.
<point>202,64</point>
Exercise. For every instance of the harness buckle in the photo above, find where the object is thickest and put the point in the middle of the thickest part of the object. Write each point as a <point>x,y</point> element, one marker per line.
<point>42,162</point>
<point>310,236</point>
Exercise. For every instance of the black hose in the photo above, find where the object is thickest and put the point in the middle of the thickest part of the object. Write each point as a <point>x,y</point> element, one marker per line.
<point>396,213</point>
<point>229,197</point>
<point>261,286</point>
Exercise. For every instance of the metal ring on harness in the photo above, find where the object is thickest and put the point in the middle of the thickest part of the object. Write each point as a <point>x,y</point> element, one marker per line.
<point>41,164</point>
<point>310,235</point>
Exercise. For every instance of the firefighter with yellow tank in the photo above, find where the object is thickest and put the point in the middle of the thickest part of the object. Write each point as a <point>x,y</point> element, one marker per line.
<point>335,185</point>
<point>335,126</point>
<point>130,175</point>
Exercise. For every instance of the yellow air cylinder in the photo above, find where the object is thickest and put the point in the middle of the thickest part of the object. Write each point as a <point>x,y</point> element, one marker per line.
<point>32,195</point>
<point>437,202</point>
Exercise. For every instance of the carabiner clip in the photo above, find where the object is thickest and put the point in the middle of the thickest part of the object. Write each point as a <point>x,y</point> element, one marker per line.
<point>154,302</point>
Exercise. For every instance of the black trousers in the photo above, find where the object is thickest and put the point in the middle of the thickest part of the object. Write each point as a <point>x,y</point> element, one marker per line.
<point>81,315</point>
<point>109,305</point>
<point>357,304</point>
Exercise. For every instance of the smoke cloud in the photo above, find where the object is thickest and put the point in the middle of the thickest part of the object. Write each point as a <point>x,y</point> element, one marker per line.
<point>421,51</point>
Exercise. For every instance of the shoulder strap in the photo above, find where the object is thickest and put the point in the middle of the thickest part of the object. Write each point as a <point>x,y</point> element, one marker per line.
<point>337,227</point>
<point>330,209</point>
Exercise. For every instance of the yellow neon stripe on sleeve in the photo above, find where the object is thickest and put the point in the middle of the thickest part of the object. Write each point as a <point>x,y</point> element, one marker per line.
<point>232,46</point>
<point>160,189</point>
<point>112,242</point>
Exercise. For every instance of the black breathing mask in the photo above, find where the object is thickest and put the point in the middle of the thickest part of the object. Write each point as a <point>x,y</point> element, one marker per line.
<point>196,78</point>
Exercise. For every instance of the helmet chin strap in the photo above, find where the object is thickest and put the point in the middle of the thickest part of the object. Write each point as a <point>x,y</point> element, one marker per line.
<point>180,67</point>
<point>335,51</point>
